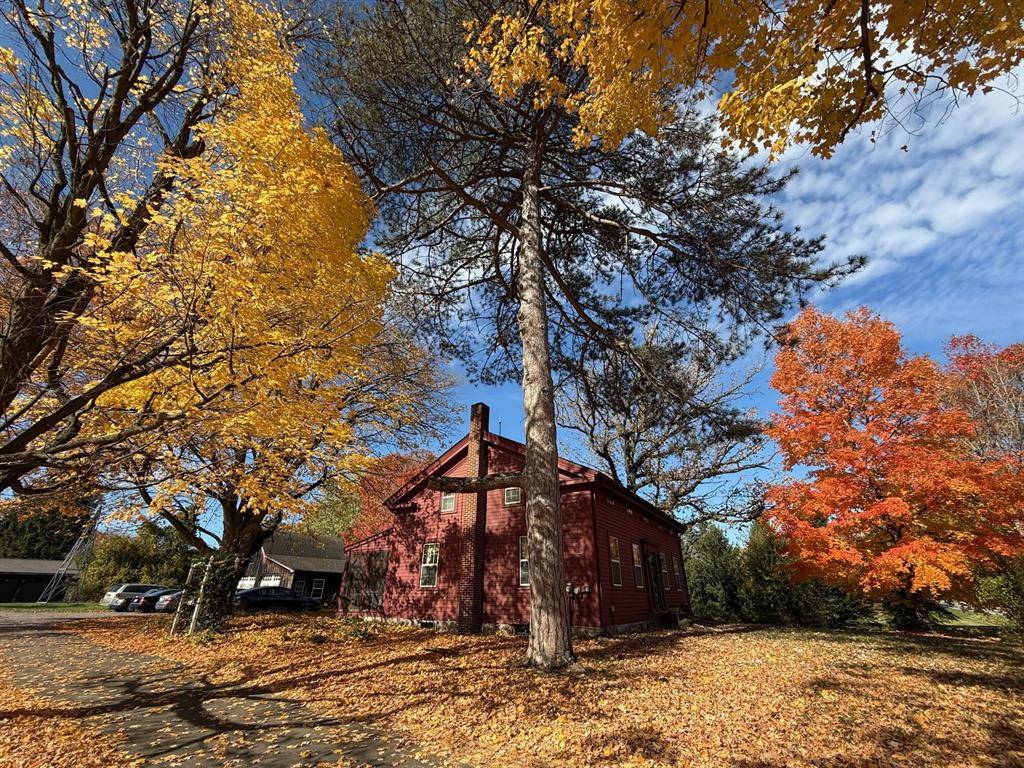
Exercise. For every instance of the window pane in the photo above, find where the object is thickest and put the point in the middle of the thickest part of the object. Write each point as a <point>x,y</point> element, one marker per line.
<point>613,548</point>
<point>524,564</point>
<point>513,495</point>
<point>318,588</point>
<point>638,567</point>
<point>448,501</point>
<point>428,568</point>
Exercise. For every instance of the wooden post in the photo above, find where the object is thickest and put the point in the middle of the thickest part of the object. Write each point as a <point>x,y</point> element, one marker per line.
<point>181,600</point>
<point>199,597</point>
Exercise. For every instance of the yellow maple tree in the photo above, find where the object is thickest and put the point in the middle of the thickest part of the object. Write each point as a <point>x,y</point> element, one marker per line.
<point>805,71</point>
<point>238,344</point>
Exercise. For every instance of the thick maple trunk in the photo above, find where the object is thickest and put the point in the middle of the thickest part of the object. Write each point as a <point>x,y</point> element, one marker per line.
<point>550,645</point>
<point>243,537</point>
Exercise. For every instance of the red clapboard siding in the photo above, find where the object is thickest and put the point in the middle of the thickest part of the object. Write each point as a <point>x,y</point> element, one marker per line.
<point>593,508</point>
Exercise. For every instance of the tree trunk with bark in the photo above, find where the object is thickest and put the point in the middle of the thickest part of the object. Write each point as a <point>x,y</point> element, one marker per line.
<point>550,645</point>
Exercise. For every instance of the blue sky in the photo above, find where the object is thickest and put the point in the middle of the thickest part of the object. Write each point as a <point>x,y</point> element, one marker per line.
<point>940,222</point>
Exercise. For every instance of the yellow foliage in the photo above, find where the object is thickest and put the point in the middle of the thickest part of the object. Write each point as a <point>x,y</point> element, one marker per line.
<point>247,302</point>
<point>802,70</point>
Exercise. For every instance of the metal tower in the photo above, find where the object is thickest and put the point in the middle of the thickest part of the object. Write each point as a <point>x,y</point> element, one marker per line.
<point>76,558</point>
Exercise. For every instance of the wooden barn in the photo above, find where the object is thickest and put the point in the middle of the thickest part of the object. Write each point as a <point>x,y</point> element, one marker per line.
<point>310,565</point>
<point>458,561</point>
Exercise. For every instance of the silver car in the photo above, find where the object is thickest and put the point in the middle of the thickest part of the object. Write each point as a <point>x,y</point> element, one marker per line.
<point>119,595</point>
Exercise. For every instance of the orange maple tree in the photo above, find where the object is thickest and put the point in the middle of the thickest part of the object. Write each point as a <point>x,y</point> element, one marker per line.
<point>895,502</point>
<point>386,475</point>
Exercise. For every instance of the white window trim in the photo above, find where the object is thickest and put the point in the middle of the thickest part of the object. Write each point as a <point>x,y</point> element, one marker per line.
<point>523,558</point>
<point>615,560</point>
<point>270,581</point>
<point>318,586</point>
<point>638,566</point>
<point>518,495</point>
<point>247,582</point>
<point>424,564</point>
<point>446,497</point>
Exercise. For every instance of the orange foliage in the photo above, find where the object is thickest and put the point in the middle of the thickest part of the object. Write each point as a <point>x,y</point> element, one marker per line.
<point>386,475</point>
<point>895,501</point>
<point>698,699</point>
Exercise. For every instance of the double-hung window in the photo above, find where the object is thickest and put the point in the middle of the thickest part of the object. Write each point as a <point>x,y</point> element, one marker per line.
<point>638,567</point>
<point>448,501</point>
<point>513,496</point>
<point>428,566</point>
<point>318,589</point>
<point>678,572</point>
<point>524,563</point>
<point>613,549</point>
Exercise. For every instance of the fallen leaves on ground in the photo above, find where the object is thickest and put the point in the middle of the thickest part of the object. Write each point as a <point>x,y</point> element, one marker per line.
<point>35,734</point>
<point>750,699</point>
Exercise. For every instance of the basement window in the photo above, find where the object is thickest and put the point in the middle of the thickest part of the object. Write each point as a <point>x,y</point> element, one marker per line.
<point>524,564</point>
<point>616,558</point>
<point>448,501</point>
<point>428,566</point>
<point>513,496</point>
<point>638,567</point>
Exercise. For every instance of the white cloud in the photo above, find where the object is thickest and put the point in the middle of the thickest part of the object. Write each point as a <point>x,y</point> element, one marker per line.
<point>940,223</point>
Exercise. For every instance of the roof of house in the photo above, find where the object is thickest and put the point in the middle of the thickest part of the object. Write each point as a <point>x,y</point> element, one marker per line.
<point>302,552</point>
<point>570,472</point>
<point>317,564</point>
<point>27,566</point>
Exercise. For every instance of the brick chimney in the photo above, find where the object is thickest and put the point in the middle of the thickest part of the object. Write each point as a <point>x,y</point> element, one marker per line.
<point>474,522</point>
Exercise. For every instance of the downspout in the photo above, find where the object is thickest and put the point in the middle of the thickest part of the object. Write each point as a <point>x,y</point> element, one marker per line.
<point>686,586</point>
<point>599,592</point>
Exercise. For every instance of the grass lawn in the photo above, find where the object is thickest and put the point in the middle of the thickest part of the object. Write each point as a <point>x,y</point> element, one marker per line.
<point>738,697</point>
<point>50,607</point>
<point>970,619</point>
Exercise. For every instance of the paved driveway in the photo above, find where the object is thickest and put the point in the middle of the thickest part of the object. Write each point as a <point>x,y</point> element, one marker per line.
<point>169,716</point>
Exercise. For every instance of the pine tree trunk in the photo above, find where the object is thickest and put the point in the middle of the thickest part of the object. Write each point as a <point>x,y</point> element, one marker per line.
<point>550,645</point>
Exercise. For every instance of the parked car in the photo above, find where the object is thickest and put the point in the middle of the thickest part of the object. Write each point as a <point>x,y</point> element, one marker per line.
<point>119,595</point>
<point>146,602</point>
<point>168,602</point>
<point>263,598</point>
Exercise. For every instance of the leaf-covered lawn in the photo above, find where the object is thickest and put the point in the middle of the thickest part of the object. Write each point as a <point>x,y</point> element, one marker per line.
<point>736,698</point>
<point>35,733</point>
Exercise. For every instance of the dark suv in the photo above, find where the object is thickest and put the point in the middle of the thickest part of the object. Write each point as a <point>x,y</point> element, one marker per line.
<point>263,598</point>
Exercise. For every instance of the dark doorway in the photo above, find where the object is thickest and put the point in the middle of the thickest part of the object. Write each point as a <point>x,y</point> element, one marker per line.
<point>654,578</point>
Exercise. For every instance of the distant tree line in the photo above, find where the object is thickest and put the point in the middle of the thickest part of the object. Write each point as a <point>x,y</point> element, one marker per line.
<point>154,555</point>
<point>752,583</point>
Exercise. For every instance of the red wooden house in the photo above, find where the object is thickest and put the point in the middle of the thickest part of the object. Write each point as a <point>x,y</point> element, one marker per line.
<point>457,561</point>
